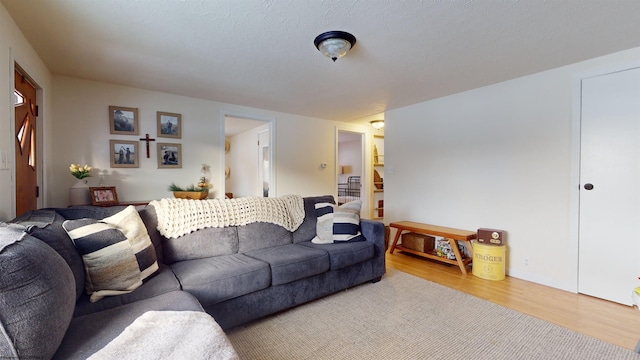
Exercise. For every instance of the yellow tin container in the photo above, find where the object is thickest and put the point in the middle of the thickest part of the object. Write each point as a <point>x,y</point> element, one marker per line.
<point>488,261</point>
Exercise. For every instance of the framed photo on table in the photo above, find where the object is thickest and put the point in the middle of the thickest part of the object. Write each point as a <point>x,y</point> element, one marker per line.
<point>123,120</point>
<point>169,125</point>
<point>104,195</point>
<point>169,156</point>
<point>124,154</point>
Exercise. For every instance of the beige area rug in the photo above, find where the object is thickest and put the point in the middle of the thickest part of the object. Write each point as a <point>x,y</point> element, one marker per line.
<point>405,317</point>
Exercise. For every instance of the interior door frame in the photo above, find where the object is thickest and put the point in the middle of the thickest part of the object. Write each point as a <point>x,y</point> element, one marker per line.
<point>40,161</point>
<point>574,190</point>
<point>271,123</point>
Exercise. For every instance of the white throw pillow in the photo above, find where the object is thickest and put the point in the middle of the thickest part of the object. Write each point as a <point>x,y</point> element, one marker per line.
<point>338,223</point>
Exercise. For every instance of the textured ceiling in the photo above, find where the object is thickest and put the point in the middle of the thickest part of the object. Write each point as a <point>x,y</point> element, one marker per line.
<point>260,53</point>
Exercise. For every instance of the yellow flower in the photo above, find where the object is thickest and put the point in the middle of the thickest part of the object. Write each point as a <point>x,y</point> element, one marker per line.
<point>80,172</point>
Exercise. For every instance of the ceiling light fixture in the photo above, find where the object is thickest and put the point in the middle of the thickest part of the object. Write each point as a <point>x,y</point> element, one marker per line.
<point>334,44</point>
<point>378,124</point>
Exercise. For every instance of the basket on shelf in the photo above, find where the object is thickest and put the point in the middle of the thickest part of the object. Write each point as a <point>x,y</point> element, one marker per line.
<point>192,195</point>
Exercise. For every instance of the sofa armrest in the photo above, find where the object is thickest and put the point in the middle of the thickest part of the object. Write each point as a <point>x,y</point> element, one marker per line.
<point>373,231</point>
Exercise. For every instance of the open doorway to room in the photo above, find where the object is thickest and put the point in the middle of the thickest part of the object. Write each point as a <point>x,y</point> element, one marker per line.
<point>248,157</point>
<point>350,167</point>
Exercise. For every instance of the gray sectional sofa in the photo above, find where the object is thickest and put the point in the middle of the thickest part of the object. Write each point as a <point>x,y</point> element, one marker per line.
<point>236,274</point>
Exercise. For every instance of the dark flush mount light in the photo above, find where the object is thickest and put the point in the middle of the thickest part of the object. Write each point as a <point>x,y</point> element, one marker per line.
<point>334,44</point>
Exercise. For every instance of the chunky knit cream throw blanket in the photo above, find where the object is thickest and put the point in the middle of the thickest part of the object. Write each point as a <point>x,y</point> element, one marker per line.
<point>177,217</point>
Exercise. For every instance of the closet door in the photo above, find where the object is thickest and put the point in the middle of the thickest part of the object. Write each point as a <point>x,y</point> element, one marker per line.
<point>609,230</point>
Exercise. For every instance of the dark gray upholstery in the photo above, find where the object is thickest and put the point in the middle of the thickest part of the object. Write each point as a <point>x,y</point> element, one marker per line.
<point>90,333</point>
<point>243,309</point>
<point>345,254</point>
<point>162,282</point>
<point>55,236</point>
<point>292,262</point>
<point>201,244</point>
<point>237,274</point>
<point>218,278</point>
<point>148,216</point>
<point>373,231</point>
<point>37,296</point>
<point>93,212</point>
<point>261,235</point>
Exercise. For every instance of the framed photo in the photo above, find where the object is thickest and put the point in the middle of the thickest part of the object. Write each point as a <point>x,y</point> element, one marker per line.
<point>169,125</point>
<point>124,154</point>
<point>123,120</point>
<point>169,155</point>
<point>105,195</point>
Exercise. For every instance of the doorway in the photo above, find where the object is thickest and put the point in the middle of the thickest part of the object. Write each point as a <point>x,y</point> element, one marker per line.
<point>26,145</point>
<point>248,149</point>
<point>609,251</point>
<point>350,167</point>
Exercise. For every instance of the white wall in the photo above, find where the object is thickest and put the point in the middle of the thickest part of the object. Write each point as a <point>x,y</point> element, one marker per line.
<point>15,48</point>
<point>81,135</point>
<point>501,156</point>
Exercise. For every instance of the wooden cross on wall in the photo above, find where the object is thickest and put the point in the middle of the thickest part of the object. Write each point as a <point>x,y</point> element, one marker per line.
<point>147,139</point>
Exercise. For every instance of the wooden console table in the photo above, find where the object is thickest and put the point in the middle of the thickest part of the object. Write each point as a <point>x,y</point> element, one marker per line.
<point>451,234</point>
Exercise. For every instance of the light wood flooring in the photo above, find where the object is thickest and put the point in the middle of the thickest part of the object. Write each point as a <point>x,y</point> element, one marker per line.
<point>610,322</point>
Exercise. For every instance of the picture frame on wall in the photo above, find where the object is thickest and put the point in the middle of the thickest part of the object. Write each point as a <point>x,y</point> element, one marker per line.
<point>169,156</point>
<point>123,120</point>
<point>104,195</point>
<point>123,154</point>
<point>169,125</point>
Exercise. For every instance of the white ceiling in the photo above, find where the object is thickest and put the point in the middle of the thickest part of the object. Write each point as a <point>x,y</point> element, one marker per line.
<point>260,53</point>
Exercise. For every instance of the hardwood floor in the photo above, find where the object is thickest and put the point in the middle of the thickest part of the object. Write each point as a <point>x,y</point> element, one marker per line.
<point>610,322</point>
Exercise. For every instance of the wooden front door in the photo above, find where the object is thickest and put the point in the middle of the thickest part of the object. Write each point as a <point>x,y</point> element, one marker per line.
<point>26,112</point>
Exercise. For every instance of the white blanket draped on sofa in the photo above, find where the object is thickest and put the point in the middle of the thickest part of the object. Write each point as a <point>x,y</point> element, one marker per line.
<point>177,217</point>
<point>170,335</point>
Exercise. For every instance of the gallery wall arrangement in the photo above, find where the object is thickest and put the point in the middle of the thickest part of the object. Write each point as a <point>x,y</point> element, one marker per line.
<point>125,153</point>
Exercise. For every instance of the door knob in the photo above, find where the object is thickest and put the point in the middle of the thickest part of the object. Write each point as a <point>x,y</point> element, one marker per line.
<point>588,186</point>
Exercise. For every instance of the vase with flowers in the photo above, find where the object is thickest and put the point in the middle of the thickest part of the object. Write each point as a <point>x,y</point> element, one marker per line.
<point>79,193</point>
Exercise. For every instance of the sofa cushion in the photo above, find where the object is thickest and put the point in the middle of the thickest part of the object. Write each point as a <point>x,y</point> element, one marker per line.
<point>162,282</point>
<point>261,235</point>
<point>117,252</point>
<point>342,255</point>
<point>292,262</point>
<point>88,334</point>
<point>54,235</point>
<point>219,278</point>
<point>307,230</point>
<point>338,223</point>
<point>201,244</point>
<point>37,297</point>
<point>148,216</point>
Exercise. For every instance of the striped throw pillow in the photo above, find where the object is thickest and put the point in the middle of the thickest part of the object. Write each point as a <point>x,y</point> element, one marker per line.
<point>338,223</point>
<point>117,252</point>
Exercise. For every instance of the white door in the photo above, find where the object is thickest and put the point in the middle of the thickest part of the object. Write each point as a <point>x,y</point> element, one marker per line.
<point>609,255</point>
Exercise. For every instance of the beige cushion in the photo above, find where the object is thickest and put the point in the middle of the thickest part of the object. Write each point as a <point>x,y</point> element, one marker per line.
<point>117,252</point>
